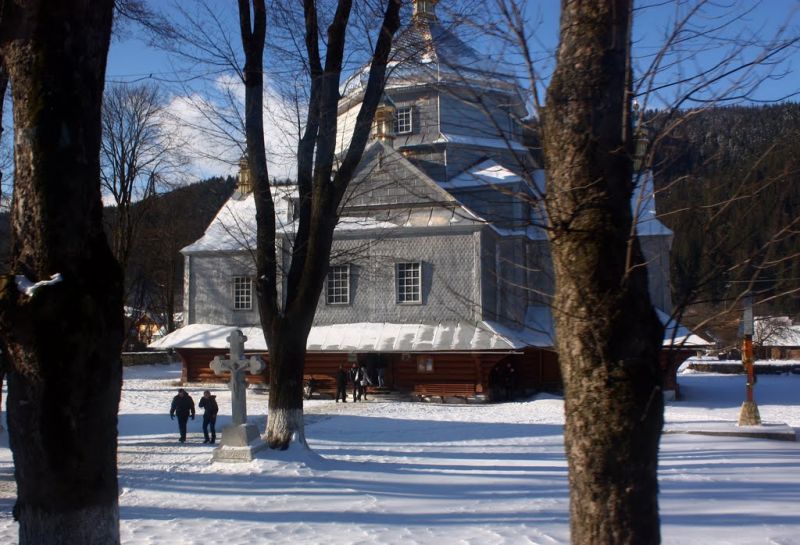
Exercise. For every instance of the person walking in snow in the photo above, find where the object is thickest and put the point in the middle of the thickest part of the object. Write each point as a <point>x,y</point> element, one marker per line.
<point>355,378</point>
<point>183,407</point>
<point>341,384</point>
<point>363,381</point>
<point>210,409</point>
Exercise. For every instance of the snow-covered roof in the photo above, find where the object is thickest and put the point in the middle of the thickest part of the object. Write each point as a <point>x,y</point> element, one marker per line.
<point>643,206</point>
<point>537,331</point>
<point>489,174</point>
<point>360,337</point>
<point>479,142</point>
<point>677,335</point>
<point>234,227</point>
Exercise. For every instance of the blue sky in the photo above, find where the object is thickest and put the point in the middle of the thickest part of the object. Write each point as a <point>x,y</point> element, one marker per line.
<point>768,22</point>
<point>132,59</point>
<point>728,20</point>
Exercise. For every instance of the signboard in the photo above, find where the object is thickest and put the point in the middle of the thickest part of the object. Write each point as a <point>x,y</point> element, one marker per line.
<point>747,316</point>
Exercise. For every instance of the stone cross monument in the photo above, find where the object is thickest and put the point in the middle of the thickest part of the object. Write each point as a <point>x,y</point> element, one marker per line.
<point>238,365</point>
<point>240,440</point>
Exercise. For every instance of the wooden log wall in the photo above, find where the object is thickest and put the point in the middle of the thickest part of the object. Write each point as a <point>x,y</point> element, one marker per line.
<point>671,359</point>
<point>536,369</point>
<point>196,361</point>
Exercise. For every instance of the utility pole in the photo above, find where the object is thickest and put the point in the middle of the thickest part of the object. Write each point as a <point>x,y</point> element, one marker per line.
<point>748,415</point>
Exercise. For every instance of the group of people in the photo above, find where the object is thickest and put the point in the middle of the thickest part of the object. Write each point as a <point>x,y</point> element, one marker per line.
<point>358,377</point>
<point>183,408</point>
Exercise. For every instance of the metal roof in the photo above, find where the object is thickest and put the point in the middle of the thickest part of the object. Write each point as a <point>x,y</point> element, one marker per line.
<point>361,337</point>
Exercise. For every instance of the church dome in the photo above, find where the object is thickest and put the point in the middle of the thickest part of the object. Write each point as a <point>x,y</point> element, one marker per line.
<point>428,51</point>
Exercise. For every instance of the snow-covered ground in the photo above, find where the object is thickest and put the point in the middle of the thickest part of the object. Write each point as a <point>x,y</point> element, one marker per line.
<point>386,473</point>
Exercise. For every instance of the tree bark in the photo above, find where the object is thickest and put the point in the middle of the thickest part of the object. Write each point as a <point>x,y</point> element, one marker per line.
<point>3,89</point>
<point>63,342</point>
<point>608,335</point>
<point>287,322</point>
<point>285,421</point>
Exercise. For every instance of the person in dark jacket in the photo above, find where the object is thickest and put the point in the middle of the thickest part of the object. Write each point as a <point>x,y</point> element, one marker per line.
<point>183,406</point>
<point>210,409</point>
<point>341,384</point>
<point>509,381</point>
<point>355,378</point>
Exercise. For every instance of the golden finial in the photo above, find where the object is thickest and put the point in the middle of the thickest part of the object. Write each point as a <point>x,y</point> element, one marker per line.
<point>425,9</point>
<point>245,185</point>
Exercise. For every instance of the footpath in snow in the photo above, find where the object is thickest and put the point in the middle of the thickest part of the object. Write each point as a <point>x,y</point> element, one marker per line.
<point>415,473</point>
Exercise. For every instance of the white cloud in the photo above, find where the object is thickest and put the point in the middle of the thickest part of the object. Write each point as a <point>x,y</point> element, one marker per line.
<point>212,127</point>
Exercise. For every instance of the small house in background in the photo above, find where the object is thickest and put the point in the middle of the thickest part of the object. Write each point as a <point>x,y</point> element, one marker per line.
<point>776,338</point>
<point>440,273</point>
<point>143,327</point>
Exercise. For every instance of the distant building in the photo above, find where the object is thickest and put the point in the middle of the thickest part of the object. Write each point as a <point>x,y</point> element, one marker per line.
<point>440,272</point>
<point>776,338</point>
<point>143,327</point>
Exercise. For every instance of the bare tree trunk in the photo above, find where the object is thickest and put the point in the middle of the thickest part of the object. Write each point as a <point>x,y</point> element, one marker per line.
<point>63,342</point>
<point>608,334</point>
<point>3,89</point>
<point>287,322</point>
<point>285,423</point>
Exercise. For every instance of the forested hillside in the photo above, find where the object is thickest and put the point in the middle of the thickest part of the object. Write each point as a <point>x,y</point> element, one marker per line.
<point>173,220</point>
<point>729,187</point>
<point>168,222</point>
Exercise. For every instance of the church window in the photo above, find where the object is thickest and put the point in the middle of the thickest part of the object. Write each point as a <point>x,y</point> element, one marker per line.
<point>409,282</point>
<point>338,285</point>
<point>242,293</point>
<point>403,122</point>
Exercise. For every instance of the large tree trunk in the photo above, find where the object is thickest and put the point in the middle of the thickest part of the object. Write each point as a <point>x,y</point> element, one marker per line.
<point>287,352</point>
<point>63,343</point>
<point>3,88</point>
<point>608,334</point>
<point>287,321</point>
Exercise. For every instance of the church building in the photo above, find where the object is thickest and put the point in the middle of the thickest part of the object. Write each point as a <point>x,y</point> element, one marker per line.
<point>440,273</point>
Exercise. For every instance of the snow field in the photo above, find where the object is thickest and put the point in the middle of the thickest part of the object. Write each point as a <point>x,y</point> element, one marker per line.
<point>416,473</point>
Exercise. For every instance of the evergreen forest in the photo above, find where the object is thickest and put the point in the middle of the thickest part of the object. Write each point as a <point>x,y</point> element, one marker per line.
<point>728,185</point>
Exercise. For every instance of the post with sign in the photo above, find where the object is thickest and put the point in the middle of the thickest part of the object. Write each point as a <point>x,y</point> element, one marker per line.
<point>748,415</point>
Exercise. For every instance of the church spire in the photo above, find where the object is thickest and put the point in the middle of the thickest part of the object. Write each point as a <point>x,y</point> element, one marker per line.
<point>425,9</point>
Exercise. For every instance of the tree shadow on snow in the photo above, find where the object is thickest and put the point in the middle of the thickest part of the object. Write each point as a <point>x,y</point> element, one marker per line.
<point>425,468</point>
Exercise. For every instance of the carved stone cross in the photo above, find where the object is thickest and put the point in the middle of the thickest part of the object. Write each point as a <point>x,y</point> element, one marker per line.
<point>237,365</point>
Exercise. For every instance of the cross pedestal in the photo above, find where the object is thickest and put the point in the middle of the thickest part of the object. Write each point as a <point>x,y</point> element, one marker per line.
<point>240,440</point>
